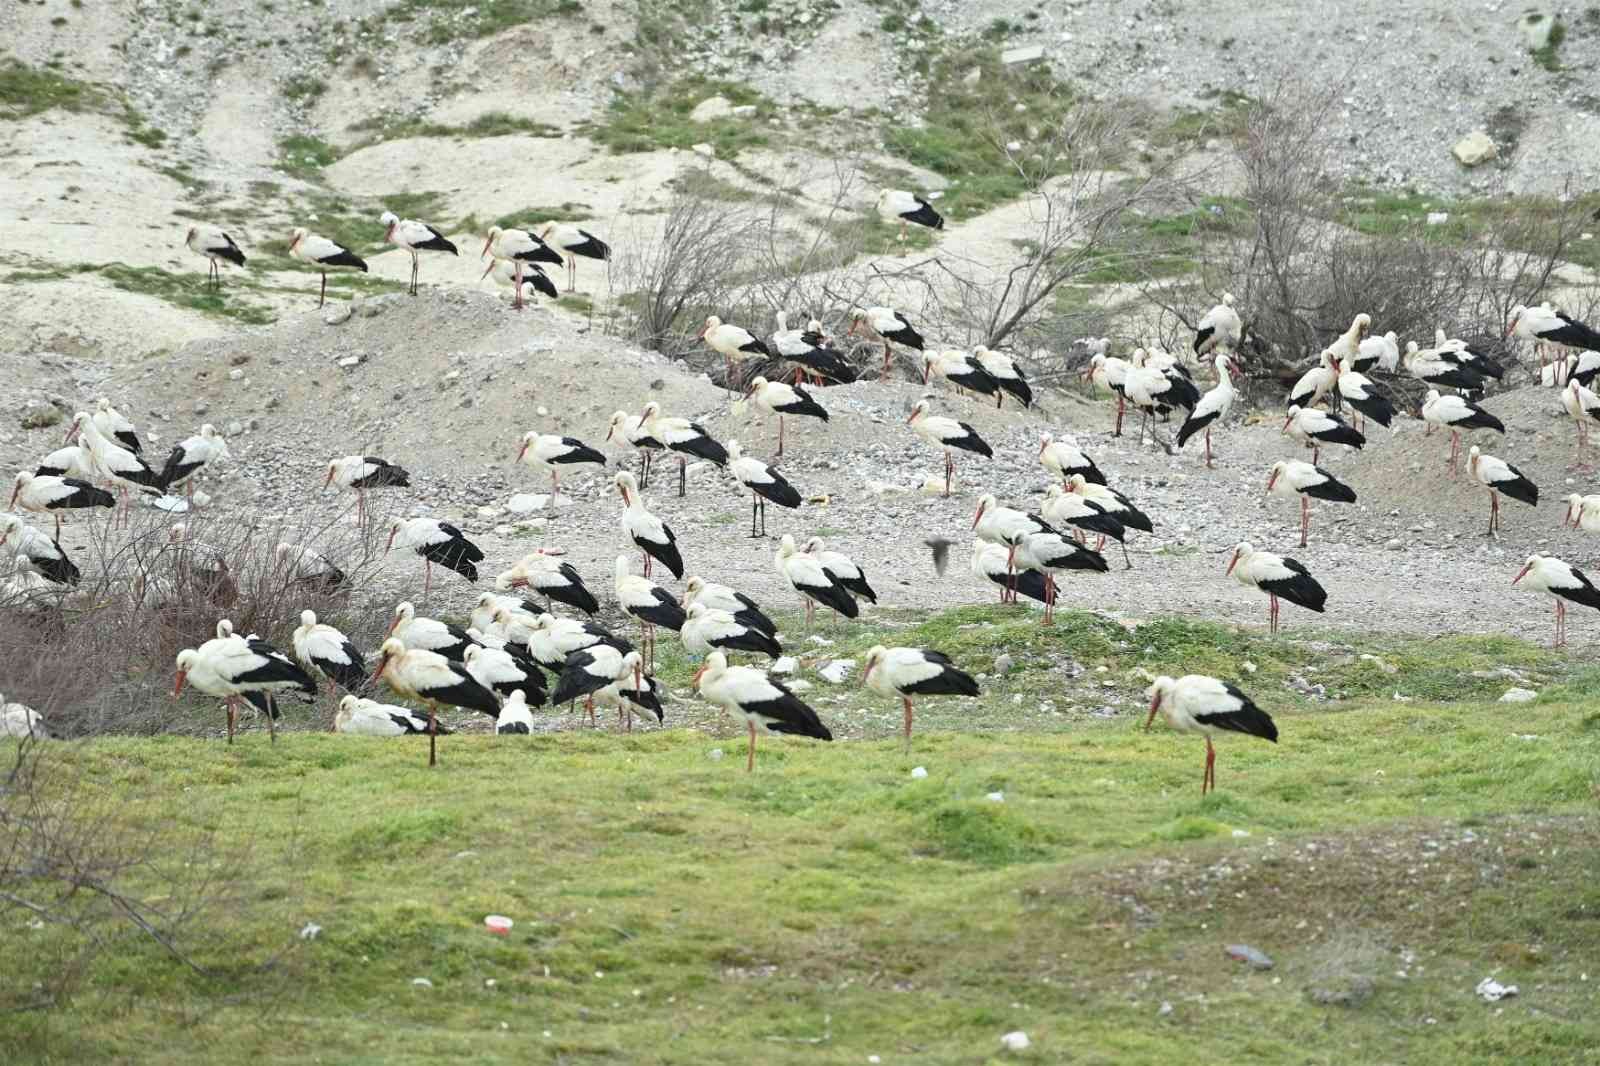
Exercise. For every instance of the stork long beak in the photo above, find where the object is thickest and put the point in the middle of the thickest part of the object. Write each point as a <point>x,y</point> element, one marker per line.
<point>72,433</point>
<point>1155,705</point>
<point>912,419</point>
<point>390,544</point>
<point>698,674</point>
<point>1522,573</point>
<point>868,672</point>
<point>638,683</point>
<point>977,517</point>
<point>1231,564</point>
<point>486,270</point>
<point>524,450</point>
<point>611,433</point>
<point>328,480</point>
<point>13,504</point>
<point>178,688</point>
<point>1286,422</point>
<point>294,242</point>
<point>1512,325</point>
<point>851,332</point>
<point>388,234</point>
<point>702,334</point>
<point>1042,446</point>
<point>927,372</point>
<point>383,664</point>
<point>394,623</point>
<point>486,242</point>
<point>1271,481</point>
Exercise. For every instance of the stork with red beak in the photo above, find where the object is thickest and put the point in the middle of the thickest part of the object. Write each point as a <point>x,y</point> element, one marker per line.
<point>550,451</point>
<point>520,248</point>
<point>414,237</point>
<point>1213,406</point>
<point>1196,703</point>
<point>1563,581</point>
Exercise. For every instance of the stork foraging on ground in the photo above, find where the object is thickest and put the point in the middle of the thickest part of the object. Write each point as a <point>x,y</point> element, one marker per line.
<point>190,455</point>
<point>558,581</point>
<point>1063,458</point>
<point>214,243</point>
<point>1454,413</point>
<point>44,554</point>
<point>904,207</point>
<point>363,717</point>
<point>437,542</point>
<point>815,584</point>
<point>1315,427</point>
<point>907,672</point>
<point>1049,554</point>
<point>1497,475</point>
<point>1219,328</point>
<point>761,701</point>
<point>414,237</point>
<point>885,325</point>
<point>324,255</point>
<point>946,433</point>
<point>520,248</point>
<point>649,534</point>
<point>764,483</point>
<point>358,473</point>
<point>1213,406</point>
<point>433,679</point>
<point>37,493</point>
<point>1291,477</point>
<point>572,242</point>
<point>652,605</point>
<point>707,629</point>
<point>1583,406</point>
<point>1195,703</point>
<point>1564,582</point>
<point>734,343</point>
<point>682,436</point>
<point>1279,577</point>
<point>231,666</point>
<point>774,397</point>
<point>549,451</point>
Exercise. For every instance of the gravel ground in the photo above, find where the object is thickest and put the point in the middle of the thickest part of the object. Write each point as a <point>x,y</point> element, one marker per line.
<point>447,382</point>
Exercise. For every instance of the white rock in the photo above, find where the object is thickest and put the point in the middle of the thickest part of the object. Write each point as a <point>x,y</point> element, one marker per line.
<point>712,107</point>
<point>421,982</point>
<point>919,772</point>
<point>1493,991</point>
<point>489,512</point>
<point>1248,667</point>
<point>821,642</point>
<point>744,111</point>
<point>1475,149</point>
<point>1536,24</point>
<point>527,502</point>
<point>1519,695</point>
<point>236,374</point>
<point>336,315</point>
<point>1017,1041</point>
<point>714,753</point>
<point>1438,218</point>
<point>996,797</point>
<point>798,686</point>
<point>704,149</point>
<point>836,671</point>
<point>786,665</point>
<point>310,930</point>
<point>1026,54</point>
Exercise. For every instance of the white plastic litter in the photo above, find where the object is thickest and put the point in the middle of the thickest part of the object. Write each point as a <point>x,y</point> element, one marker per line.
<point>1017,1041</point>
<point>1493,991</point>
<point>997,797</point>
<point>919,772</point>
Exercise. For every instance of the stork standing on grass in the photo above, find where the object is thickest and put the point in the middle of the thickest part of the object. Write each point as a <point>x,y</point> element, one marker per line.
<point>323,648</point>
<point>231,666</point>
<point>433,679</point>
<point>414,237</point>
<point>682,436</point>
<point>734,343</point>
<point>550,451</point>
<point>1213,406</point>
<point>1049,554</point>
<point>774,397</point>
<point>707,629</point>
<point>764,483</point>
<point>503,673</point>
<point>520,248</point>
<point>324,255</point>
<point>1454,413</point>
<point>37,493</point>
<point>572,242</point>
<point>815,584</point>
<point>1195,703</point>
<point>946,433</point>
<point>363,717</point>
<point>885,325</point>
<point>720,597</point>
<point>358,473</point>
<point>758,699</point>
<point>907,672</point>
<point>1497,475</point>
<point>214,243</point>
<point>437,542</point>
<point>649,534</point>
<point>1279,577</point>
<point>552,639</point>
<point>1564,582</point>
<point>1314,427</point>
<point>905,207</point>
<point>1291,477</point>
<point>585,673</point>
<point>1218,328</point>
<point>841,568</point>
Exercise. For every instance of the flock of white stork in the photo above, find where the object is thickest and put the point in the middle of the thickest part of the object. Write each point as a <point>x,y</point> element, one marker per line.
<point>499,664</point>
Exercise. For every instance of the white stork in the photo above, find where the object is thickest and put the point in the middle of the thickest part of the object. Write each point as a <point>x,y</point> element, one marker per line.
<point>1114,504</point>
<point>324,255</point>
<point>764,483</point>
<point>652,605</point>
<point>433,679</point>
<point>629,430</point>
<point>778,398</point>
<point>649,534</point>
<point>591,669</point>
<point>1583,512</point>
<point>191,454</point>
<point>231,666</point>
<point>1362,396</point>
<point>1063,458</point>
<point>572,242</point>
<point>1454,413</point>
<point>1062,507</point>
<point>761,701</point>
<point>1457,351</point>
<point>961,369</point>
<point>707,629</point>
<point>946,433</point>
<point>903,206</point>
<point>358,473</point>
<point>114,424</point>
<point>437,542</point>
<point>38,493</point>
<point>1005,372</point>
<point>1195,703</point>
<point>120,466</point>
<point>885,325</point>
<point>550,451</point>
<point>1007,526</point>
<point>1279,577</point>
<point>44,554</point>
<point>841,568</point>
<point>744,610</point>
<point>682,436</point>
<point>360,716</point>
<point>214,243</point>
<point>72,460</point>
<point>1547,327</point>
<point>553,639</point>
<point>506,271</point>
<point>1378,352</point>
<point>1315,427</point>
<point>515,719</point>
<point>733,343</point>
<point>1291,478</point>
<point>502,672</point>
<point>1563,581</point>
<point>483,613</point>
<point>428,634</point>
<point>329,652</point>
<point>22,722</point>
<point>1111,374</point>
<point>992,563</point>
<point>1314,384</point>
<point>807,576</point>
<point>907,672</point>
<point>808,350</point>
<point>1346,348</point>
<point>520,248</point>
<point>556,580</point>
<point>1158,392</point>
<point>1497,475</point>
<point>414,237</point>
<point>1218,328</point>
<point>1213,406</point>
<point>1049,554</point>
<point>1582,406</point>
<point>1426,365</point>
<point>311,568</point>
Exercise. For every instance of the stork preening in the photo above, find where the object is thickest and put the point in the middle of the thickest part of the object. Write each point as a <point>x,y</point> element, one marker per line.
<point>808,350</point>
<point>214,243</point>
<point>1279,577</point>
<point>777,398</point>
<point>505,674</point>
<point>1315,384</point>
<point>414,237</point>
<point>758,699</point>
<point>682,436</point>
<point>438,543</point>
<point>44,554</point>
<point>652,605</point>
<point>1005,372</point>
<point>1583,512</point>
<point>1457,351</point>
<point>815,584</point>
<point>550,452</point>
<point>1453,412</point>
<point>113,424</point>
<point>557,581</point>
<point>1499,476</point>
<point>363,717</point>
<point>1111,374</point>
<point>324,255</point>
<point>40,493</point>
<point>433,679</point>
<point>329,652</point>
<point>1426,366</point>
<point>1563,581</point>
<point>1291,477</point>
<point>907,672</point>
<point>745,611</point>
<point>572,242</point>
<point>764,483</point>
<point>707,629</point>
<point>520,248</point>
<point>734,343</point>
<point>1382,353</point>
<point>886,325</point>
<point>1346,348</point>
<point>358,473</point>
<point>1219,328</point>
<point>114,462</point>
<point>419,632</point>
<point>1315,427</point>
<point>1063,458</point>
<point>649,534</point>
<point>1195,703</point>
<point>1213,406</point>
<point>946,434</point>
<point>552,639</point>
<point>482,618</point>
<point>190,455</point>
<point>907,207</point>
<point>1049,554</point>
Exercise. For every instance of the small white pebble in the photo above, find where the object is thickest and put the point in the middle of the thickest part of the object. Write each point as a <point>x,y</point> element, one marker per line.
<point>599,974</point>
<point>490,982</point>
<point>1166,1009</point>
<point>874,1059</point>
<point>997,797</point>
<point>1017,1041</point>
<point>547,1034</point>
<point>714,753</point>
<point>421,982</point>
<point>919,771</point>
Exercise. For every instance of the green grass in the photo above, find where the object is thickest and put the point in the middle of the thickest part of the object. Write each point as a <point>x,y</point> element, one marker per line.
<point>655,118</point>
<point>443,21</point>
<point>304,88</point>
<point>1155,246</point>
<point>828,907</point>
<point>181,290</point>
<point>1548,57</point>
<point>489,124</point>
<point>26,91</point>
<point>1519,221</point>
<point>303,156</point>
<point>1224,118</point>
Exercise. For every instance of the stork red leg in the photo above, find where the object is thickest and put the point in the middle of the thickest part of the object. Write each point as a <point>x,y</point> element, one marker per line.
<point>230,719</point>
<point>907,701</point>
<point>433,734</point>
<point>750,760</point>
<point>1208,446</point>
<point>1305,519</point>
<point>1049,598</point>
<point>1210,780</point>
<point>322,297</point>
<point>1121,406</point>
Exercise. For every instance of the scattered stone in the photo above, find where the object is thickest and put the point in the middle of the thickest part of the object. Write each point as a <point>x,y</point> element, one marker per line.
<point>236,375</point>
<point>1349,990</point>
<point>1475,149</point>
<point>1536,25</point>
<point>1002,663</point>
<point>527,502</point>
<point>367,308</point>
<point>336,315</point>
<point>744,111</point>
<point>836,671</point>
<point>919,772</point>
<point>714,753</point>
<point>1257,958</point>
<point>1248,667</point>
<point>201,407</point>
<point>973,76</point>
<point>40,417</point>
<point>1026,54</point>
<point>1519,695</point>
<point>1165,1009</point>
<point>1438,218</point>
<point>1017,1041</point>
<point>996,797</point>
<point>421,982</point>
<point>786,665</point>
<point>309,931</point>
<point>350,362</point>
<point>710,109</point>
<point>238,359</point>
<point>235,428</point>
<point>1394,545</point>
<point>1493,991</point>
<point>704,149</point>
